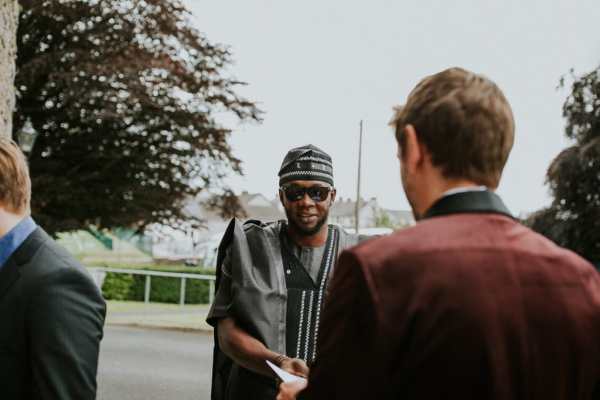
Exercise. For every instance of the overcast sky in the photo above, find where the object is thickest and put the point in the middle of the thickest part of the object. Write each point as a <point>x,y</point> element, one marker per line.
<point>318,67</point>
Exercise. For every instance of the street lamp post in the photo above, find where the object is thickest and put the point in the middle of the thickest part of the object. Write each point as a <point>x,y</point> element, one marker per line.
<point>26,138</point>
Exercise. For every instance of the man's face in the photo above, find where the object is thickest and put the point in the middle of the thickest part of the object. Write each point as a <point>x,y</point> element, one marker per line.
<point>306,205</point>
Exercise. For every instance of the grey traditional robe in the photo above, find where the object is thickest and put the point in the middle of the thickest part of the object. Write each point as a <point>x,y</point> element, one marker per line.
<point>258,288</point>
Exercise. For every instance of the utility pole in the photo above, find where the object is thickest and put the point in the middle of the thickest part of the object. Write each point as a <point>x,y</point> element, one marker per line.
<point>357,208</point>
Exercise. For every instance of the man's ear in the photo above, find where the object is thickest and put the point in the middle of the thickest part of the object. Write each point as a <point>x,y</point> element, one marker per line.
<point>412,153</point>
<point>333,193</point>
<point>281,197</point>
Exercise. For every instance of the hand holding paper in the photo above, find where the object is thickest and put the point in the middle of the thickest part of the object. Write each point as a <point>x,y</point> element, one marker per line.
<point>284,375</point>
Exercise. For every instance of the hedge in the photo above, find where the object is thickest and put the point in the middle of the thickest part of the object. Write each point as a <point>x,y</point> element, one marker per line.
<point>117,286</point>
<point>128,287</point>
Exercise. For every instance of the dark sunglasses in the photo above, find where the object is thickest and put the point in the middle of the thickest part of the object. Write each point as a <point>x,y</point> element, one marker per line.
<point>316,193</point>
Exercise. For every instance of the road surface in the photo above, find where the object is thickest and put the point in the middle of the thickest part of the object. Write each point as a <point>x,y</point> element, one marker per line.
<point>154,364</point>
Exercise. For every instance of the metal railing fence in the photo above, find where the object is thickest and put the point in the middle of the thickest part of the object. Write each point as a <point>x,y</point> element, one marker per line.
<point>97,271</point>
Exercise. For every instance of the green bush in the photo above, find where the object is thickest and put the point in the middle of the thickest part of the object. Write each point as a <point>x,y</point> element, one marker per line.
<point>117,286</point>
<point>196,291</point>
<point>162,289</point>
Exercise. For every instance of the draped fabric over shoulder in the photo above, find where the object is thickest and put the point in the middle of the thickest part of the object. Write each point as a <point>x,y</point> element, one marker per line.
<point>260,293</point>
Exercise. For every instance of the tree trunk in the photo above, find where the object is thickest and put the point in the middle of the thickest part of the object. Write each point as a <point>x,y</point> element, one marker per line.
<point>9,12</point>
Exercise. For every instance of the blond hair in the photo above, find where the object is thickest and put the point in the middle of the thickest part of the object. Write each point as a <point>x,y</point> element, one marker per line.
<point>15,184</point>
<point>465,122</point>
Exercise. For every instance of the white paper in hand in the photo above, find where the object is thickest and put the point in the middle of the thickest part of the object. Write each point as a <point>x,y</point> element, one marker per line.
<point>284,375</point>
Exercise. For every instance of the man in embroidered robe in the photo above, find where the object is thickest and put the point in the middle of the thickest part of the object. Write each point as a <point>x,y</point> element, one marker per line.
<point>468,304</point>
<point>271,283</point>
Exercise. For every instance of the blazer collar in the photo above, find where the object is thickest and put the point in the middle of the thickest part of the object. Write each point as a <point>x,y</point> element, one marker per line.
<point>483,201</point>
<point>10,272</point>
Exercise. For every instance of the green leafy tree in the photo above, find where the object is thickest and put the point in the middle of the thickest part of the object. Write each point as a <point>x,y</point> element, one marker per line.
<point>126,100</point>
<point>383,220</point>
<point>573,219</point>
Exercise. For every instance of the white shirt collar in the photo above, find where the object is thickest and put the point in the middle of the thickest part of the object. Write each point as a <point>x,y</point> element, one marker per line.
<point>464,189</point>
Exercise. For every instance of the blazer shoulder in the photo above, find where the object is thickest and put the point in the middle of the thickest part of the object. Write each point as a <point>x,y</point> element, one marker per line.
<point>398,242</point>
<point>52,254</point>
<point>408,248</point>
<point>541,246</point>
<point>52,262</point>
<point>446,233</point>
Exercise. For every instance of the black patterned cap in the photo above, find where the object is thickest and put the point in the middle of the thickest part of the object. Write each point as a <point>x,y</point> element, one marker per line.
<point>306,163</point>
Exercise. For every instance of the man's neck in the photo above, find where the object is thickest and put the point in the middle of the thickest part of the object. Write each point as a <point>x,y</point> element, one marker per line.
<point>9,220</point>
<point>316,240</point>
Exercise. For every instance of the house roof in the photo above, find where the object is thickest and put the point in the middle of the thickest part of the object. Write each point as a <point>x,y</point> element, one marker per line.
<point>255,206</point>
<point>259,207</point>
<point>400,214</point>
<point>347,208</point>
<point>401,217</point>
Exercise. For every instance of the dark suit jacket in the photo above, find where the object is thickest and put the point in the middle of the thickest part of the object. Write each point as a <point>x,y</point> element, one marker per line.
<point>51,322</point>
<point>465,305</point>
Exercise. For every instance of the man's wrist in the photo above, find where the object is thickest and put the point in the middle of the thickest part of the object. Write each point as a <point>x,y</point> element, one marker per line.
<point>280,359</point>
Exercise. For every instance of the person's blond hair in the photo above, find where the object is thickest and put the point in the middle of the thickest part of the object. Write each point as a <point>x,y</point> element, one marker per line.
<point>15,184</point>
<point>464,121</point>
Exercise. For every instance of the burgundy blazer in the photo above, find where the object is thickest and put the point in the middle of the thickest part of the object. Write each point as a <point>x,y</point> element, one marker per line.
<point>468,304</point>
